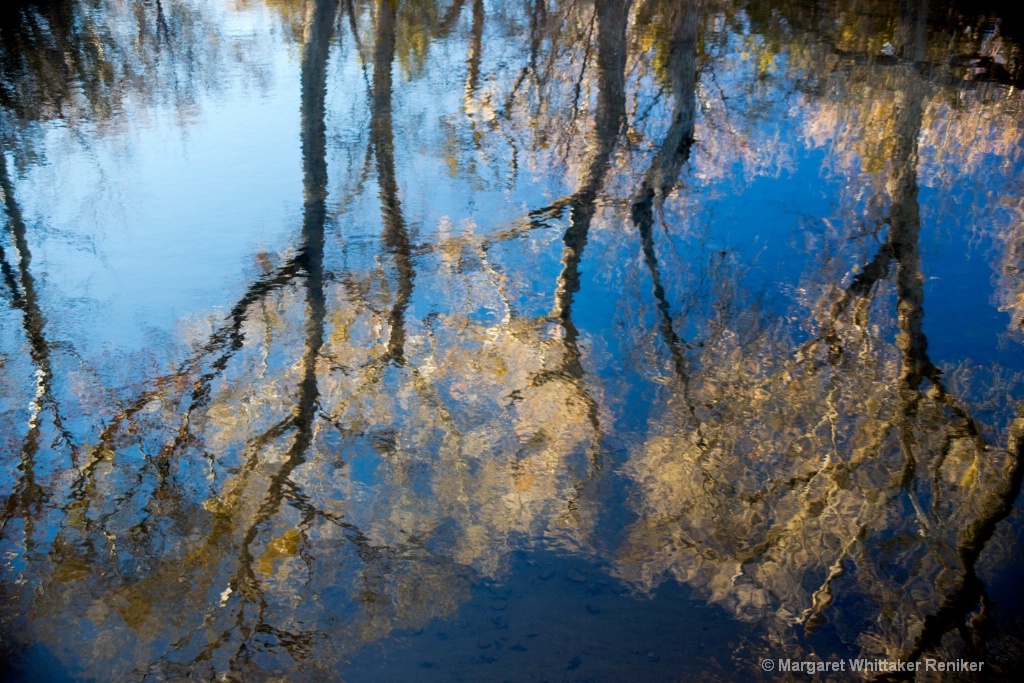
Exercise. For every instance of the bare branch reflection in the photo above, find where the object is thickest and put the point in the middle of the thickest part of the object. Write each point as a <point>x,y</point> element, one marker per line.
<point>658,287</point>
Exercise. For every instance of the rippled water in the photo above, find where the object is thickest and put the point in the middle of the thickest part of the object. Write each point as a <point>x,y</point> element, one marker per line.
<point>508,340</point>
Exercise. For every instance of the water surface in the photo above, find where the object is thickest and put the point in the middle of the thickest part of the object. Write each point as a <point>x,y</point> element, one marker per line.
<point>527,340</point>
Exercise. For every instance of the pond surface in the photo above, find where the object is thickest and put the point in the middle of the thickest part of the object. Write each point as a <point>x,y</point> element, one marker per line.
<point>380,340</point>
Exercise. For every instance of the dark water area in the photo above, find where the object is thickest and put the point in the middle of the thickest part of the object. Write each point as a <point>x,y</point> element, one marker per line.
<point>530,341</point>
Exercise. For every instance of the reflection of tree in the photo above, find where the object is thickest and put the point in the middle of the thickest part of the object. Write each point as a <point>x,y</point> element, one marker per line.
<point>396,236</point>
<point>560,387</point>
<point>238,509</point>
<point>22,288</point>
<point>92,61</point>
<point>662,174</point>
<point>310,259</point>
<point>48,443</point>
<point>231,540</point>
<point>330,464</point>
<point>777,487</point>
<point>608,121</point>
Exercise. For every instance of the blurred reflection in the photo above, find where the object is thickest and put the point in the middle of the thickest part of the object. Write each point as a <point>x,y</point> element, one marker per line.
<point>91,62</point>
<point>528,306</point>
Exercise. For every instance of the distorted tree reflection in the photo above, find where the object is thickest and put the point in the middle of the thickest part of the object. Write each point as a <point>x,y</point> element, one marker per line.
<point>89,62</point>
<point>413,388</point>
<point>776,486</point>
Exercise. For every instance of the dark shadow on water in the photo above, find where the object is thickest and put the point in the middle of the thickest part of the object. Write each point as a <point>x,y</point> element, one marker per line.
<point>557,618</point>
<point>37,664</point>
